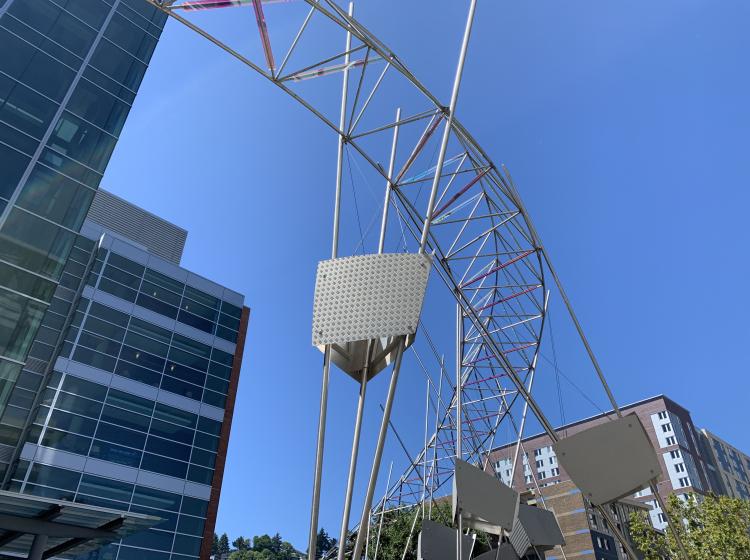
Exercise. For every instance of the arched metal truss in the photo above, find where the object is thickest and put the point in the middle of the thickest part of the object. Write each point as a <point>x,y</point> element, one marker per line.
<point>484,250</point>
<point>484,246</point>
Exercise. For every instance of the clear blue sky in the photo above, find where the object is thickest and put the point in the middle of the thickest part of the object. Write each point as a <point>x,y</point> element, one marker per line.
<point>625,127</point>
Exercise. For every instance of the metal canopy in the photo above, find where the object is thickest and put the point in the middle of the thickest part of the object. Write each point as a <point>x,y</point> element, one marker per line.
<point>32,526</point>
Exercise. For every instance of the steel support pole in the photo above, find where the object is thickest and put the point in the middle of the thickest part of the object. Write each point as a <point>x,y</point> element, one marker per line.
<point>618,534</point>
<point>459,415</point>
<point>435,443</point>
<point>448,126</point>
<point>526,406</point>
<point>523,422</point>
<point>388,183</point>
<point>564,295</point>
<point>424,453</point>
<point>353,460</point>
<point>340,151</point>
<point>312,550</point>
<point>364,520</point>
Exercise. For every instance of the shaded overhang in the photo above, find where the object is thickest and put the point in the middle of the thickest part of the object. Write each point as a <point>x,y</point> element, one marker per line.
<point>61,529</point>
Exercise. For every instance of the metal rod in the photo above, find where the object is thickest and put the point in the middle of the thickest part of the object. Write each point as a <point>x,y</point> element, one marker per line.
<point>382,512</point>
<point>353,125</point>
<point>525,406</point>
<point>564,295</point>
<point>434,447</point>
<point>618,534</point>
<point>459,415</point>
<point>411,533</point>
<point>388,184</point>
<point>340,150</point>
<point>312,545</point>
<point>359,543</point>
<point>296,40</point>
<point>670,520</point>
<point>353,460</point>
<point>448,126</point>
<point>424,452</point>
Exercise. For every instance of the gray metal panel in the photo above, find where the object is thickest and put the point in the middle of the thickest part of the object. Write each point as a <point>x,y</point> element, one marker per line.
<point>535,527</point>
<point>438,542</point>
<point>609,461</point>
<point>368,297</point>
<point>483,502</point>
<point>161,237</point>
<point>506,553</point>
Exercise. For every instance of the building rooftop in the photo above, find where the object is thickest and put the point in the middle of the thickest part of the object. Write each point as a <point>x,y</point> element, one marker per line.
<point>157,235</point>
<point>596,417</point>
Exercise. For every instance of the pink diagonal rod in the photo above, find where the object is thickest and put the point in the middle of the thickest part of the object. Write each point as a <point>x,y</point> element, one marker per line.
<point>456,196</point>
<point>212,4</point>
<point>476,382</point>
<point>508,298</point>
<point>498,267</point>
<point>418,148</point>
<point>318,72</point>
<point>509,351</point>
<point>264,38</point>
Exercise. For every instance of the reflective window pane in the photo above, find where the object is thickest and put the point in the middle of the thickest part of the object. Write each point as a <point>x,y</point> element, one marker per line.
<point>34,244</point>
<point>12,166</point>
<point>56,198</point>
<point>21,317</point>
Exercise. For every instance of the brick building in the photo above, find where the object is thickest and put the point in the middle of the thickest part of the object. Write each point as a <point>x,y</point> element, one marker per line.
<point>687,468</point>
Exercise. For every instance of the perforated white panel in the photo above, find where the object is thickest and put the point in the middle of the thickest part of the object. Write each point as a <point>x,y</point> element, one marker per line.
<point>368,296</point>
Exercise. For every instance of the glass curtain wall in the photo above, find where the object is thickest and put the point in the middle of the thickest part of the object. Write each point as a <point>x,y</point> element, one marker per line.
<point>69,73</point>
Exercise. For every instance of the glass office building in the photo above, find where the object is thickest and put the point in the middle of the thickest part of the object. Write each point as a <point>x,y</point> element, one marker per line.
<point>69,73</point>
<point>132,408</point>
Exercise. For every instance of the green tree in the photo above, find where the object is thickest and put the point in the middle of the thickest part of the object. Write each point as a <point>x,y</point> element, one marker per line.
<point>713,527</point>
<point>262,543</point>
<point>276,543</point>
<point>224,544</point>
<point>323,543</point>
<point>215,545</point>
<point>241,544</point>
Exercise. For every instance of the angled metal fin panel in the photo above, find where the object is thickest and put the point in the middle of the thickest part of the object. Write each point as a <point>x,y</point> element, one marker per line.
<point>609,461</point>
<point>482,501</point>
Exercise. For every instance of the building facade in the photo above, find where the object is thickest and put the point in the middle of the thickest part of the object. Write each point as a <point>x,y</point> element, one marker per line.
<point>685,470</point>
<point>729,465</point>
<point>126,399</point>
<point>69,73</point>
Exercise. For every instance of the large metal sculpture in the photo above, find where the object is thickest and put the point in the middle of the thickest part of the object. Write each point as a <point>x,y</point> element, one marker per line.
<point>458,213</point>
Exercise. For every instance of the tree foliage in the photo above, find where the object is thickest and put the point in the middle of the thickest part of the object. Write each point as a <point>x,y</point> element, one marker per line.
<point>713,527</point>
<point>241,543</point>
<point>323,543</point>
<point>224,544</point>
<point>263,547</point>
<point>397,527</point>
